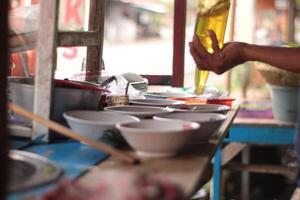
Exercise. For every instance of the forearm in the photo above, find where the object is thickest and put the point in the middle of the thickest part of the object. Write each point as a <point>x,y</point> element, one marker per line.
<point>281,57</point>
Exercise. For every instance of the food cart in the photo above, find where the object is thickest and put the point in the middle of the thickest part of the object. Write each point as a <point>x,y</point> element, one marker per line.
<point>186,170</point>
<point>79,161</point>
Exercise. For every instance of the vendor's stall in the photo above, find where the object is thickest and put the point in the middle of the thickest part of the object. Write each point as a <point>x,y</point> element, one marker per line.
<point>119,140</point>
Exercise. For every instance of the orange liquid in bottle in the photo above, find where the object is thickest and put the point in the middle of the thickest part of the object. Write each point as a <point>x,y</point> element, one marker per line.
<point>214,19</point>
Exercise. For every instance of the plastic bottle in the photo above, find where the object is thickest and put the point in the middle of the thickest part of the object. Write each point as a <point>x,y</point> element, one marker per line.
<point>212,15</point>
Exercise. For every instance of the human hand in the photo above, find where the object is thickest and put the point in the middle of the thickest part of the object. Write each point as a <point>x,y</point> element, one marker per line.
<point>220,60</point>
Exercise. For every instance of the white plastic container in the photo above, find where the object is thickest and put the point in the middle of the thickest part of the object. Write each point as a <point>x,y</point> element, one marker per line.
<point>284,102</point>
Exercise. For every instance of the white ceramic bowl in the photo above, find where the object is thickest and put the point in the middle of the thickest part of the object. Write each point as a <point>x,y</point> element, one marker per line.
<point>156,138</point>
<point>93,124</point>
<point>210,123</point>
<point>138,111</point>
<point>156,102</point>
<point>205,108</point>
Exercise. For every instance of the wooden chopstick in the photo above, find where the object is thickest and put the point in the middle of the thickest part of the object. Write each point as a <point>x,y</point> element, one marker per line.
<point>71,134</point>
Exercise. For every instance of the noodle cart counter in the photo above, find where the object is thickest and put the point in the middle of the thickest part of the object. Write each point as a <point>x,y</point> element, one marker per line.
<point>187,170</point>
<point>90,167</point>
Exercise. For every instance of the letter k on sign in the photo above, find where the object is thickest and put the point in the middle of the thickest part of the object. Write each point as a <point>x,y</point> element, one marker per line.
<point>72,11</point>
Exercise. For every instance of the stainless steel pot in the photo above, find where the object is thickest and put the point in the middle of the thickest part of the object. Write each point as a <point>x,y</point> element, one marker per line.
<point>21,92</point>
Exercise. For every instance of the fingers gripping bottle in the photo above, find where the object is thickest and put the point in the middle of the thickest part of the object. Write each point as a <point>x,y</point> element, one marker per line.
<point>212,15</point>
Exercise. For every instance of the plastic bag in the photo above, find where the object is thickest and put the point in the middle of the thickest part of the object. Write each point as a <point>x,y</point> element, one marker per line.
<point>119,86</point>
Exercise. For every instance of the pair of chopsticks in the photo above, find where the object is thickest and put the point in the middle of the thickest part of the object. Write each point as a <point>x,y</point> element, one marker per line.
<point>71,134</point>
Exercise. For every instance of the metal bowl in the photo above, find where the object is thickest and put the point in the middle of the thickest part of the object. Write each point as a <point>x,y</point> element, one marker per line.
<point>21,92</point>
<point>29,170</point>
<point>205,108</point>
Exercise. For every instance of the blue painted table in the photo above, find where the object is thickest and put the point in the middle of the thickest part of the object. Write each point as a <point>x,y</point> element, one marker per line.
<point>73,157</point>
<point>252,131</point>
